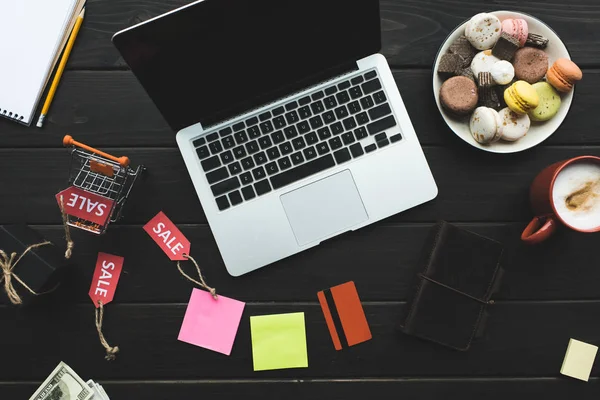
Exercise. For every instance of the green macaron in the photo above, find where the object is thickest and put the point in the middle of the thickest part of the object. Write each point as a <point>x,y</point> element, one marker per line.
<point>549,102</point>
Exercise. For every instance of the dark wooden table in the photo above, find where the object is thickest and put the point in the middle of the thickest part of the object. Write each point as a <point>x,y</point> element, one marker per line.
<point>550,293</point>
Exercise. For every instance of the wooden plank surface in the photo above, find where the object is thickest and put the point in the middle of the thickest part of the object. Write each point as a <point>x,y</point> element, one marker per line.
<point>382,259</point>
<point>549,293</point>
<point>473,185</point>
<point>521,339</point>
<point>295,389</point>
<point>412,30</point>
<point>103,108</point>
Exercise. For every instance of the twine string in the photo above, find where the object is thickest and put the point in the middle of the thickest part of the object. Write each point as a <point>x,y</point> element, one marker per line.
<point>111,352</point>
<point>202,282</point>
<point>70,243</point>
<point>8,264</point>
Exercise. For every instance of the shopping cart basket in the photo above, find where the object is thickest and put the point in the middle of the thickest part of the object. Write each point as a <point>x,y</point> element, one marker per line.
<point>102,174</point>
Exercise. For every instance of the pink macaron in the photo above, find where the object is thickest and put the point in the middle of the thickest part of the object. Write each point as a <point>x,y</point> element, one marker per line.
<point>516,28</point>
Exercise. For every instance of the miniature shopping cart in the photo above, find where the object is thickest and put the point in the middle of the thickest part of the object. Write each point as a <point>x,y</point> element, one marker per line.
<point>101,174</point>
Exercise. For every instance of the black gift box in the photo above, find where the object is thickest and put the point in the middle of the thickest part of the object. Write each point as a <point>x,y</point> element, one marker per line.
<point>38,268</point>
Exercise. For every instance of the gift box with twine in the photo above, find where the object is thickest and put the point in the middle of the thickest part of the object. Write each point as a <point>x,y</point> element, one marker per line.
<point>29,264</point>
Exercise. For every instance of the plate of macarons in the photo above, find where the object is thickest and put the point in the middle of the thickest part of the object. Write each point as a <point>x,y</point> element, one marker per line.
<point>504,81</point>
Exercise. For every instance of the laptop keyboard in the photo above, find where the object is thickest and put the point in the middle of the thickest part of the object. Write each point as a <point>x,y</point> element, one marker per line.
<point>287,143</point>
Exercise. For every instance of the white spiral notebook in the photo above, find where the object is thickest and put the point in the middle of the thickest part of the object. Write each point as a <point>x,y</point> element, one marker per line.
<point>33,34</point>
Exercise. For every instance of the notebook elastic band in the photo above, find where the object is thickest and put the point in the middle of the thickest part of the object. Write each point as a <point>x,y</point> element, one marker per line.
<point>454,290</point>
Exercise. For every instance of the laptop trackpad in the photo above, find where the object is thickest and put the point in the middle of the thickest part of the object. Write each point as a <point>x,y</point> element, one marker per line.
<point>331,205</point>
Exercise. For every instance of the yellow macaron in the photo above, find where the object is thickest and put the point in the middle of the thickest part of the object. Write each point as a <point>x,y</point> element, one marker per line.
<point>521,97</point>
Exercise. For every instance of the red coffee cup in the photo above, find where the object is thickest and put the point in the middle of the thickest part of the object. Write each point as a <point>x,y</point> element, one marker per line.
<point>544,224</point>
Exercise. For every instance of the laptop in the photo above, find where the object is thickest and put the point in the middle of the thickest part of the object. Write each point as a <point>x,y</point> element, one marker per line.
<point>290,124</point>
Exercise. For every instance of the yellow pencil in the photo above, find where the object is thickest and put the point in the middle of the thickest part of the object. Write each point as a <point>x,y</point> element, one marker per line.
<point>61,68</point>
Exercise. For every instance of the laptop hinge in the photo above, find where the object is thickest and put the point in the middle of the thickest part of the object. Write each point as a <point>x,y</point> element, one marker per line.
<point>284,91</point>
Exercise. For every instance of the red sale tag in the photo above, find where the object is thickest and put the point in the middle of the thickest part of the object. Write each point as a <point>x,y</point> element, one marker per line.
<point>106,278</point>
<point>168,237</point>
<point>86,205</point>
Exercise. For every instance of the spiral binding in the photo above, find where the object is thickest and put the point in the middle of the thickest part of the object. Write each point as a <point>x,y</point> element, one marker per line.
<point>9,114</point>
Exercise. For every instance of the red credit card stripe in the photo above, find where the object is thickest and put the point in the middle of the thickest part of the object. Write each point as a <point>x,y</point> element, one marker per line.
<point>329,320</point>
<point>351,313</point>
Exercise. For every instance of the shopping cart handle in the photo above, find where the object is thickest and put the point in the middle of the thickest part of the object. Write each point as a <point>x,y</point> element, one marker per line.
<point>69,141</point>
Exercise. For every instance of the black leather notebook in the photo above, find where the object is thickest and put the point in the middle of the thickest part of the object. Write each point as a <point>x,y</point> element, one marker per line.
<point>459,272</point>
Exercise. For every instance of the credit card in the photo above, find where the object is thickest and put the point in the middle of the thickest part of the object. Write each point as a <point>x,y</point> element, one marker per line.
<point>344,315</point>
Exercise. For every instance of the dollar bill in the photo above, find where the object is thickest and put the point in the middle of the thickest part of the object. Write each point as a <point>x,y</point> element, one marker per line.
<point>99,393</point>
<point>63,384</point>
<point>103,392</point>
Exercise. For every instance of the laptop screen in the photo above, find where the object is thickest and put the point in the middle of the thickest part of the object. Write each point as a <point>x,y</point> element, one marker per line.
<point>218,58</point>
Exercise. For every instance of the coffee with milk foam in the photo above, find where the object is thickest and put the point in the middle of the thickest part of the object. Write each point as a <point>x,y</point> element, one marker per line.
<point>576,195</point>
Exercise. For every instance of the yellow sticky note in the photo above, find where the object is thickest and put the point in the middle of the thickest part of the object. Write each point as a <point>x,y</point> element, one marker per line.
<point>278,341</point>
<point>579,360</point>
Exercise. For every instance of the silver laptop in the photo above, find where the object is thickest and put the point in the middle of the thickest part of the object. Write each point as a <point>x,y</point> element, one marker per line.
<point>289,122</point>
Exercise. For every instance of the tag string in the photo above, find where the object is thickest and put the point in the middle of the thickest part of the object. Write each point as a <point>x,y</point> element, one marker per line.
<point>70,243</point>
<point>111,352</point>
<point>7,265</point>
<point>202,282</point>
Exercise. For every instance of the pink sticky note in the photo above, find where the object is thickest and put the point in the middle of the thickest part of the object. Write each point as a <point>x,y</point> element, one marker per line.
<point>210,323</point>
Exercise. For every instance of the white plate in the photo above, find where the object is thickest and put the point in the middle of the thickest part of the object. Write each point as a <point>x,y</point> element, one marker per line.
<point>539,131</point>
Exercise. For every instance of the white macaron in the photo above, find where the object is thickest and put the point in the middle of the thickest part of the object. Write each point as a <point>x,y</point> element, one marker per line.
<point>502,72</point>
<point>515,126</point>
<point>483,31</point>
<point>486,125</point>
<point>483,62</point>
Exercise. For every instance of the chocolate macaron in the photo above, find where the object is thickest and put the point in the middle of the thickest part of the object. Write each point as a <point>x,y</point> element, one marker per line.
<point>530,64</point>
<point>459,95</point>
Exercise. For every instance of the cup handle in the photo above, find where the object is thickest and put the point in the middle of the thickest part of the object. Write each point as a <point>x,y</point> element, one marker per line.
<point>536,232</point>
